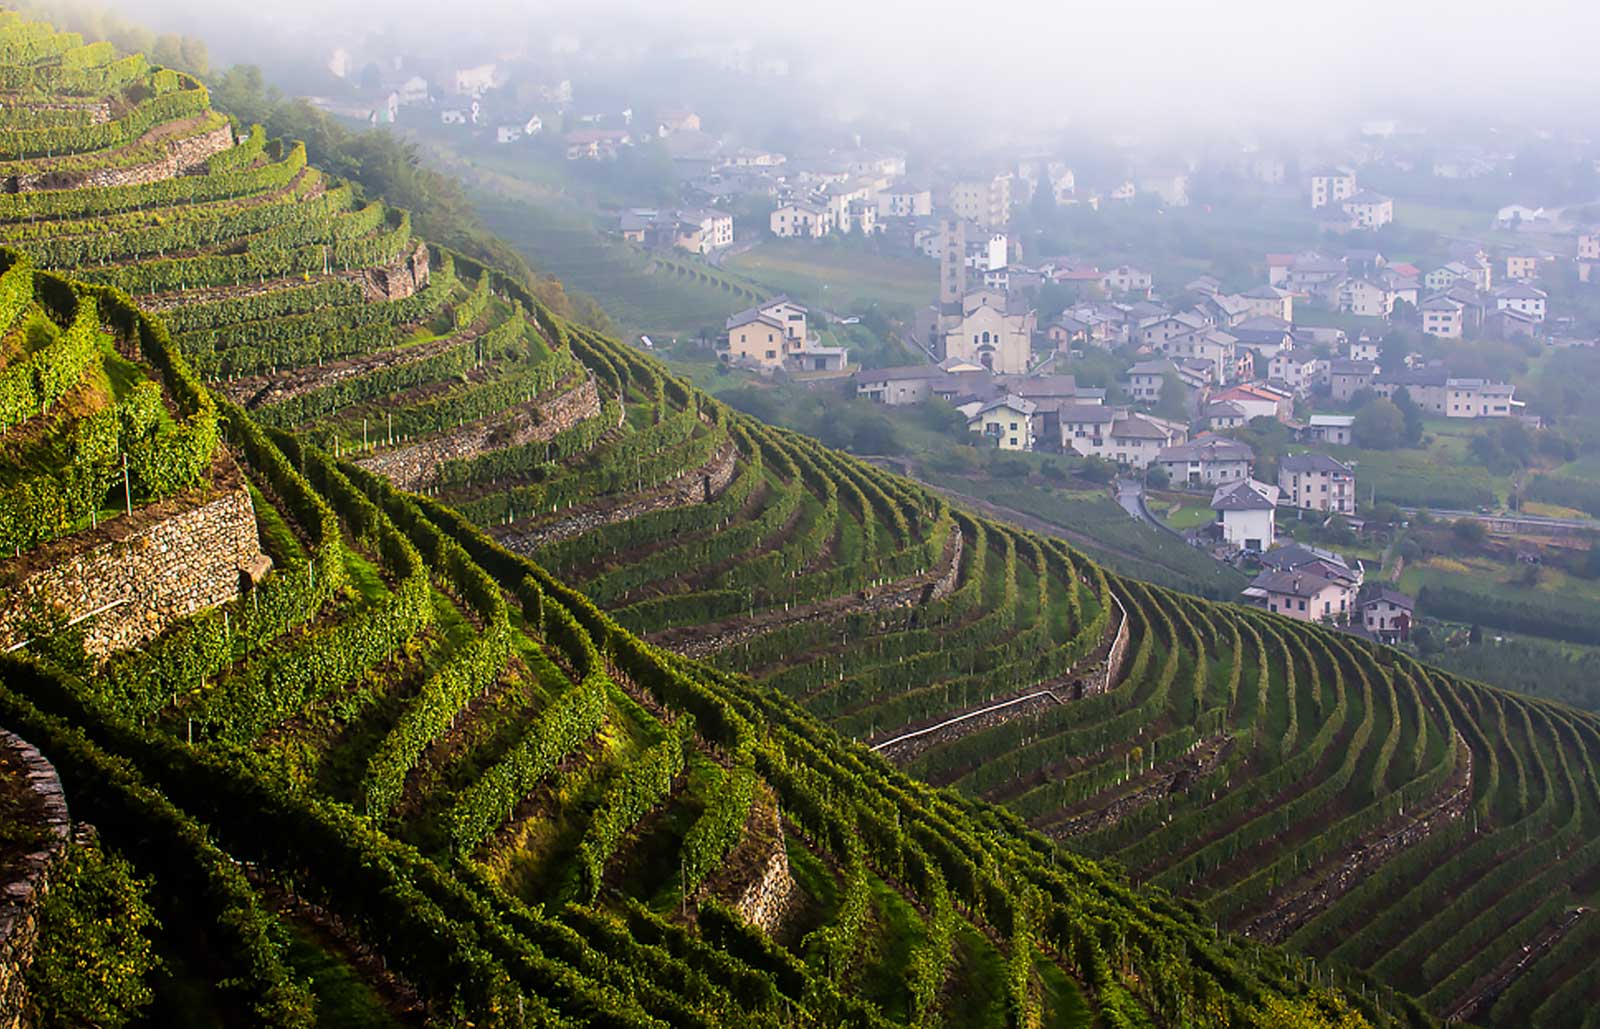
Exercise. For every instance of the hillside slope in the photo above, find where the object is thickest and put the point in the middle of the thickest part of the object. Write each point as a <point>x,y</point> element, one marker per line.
<point>489,747</point>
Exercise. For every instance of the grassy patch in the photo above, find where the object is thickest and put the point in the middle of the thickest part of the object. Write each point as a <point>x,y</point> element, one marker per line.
<point>839,273</point>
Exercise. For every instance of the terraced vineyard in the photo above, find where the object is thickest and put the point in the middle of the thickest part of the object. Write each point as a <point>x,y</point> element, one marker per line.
<point>529,720</point>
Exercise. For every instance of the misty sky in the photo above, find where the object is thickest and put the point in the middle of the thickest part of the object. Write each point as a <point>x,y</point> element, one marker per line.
<point>1160,61</point>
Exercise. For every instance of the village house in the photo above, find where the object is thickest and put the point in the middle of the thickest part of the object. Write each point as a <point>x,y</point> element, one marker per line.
<point>1223,310</point>
<point>1506,323</point>
<point>595,144</point>
<point>1366,298</point>
<point>1211,347</point>
<point>1330,428</point>
<point>1309,272</point>
<point>1171,187</point>
<point>1589,255</point>
<point>773,335</point>
<point>801,219</point>
<point>1086,428</point>
<point>1443,317</point>
<point>1388,614</point>
<point>1479,398</point>
<point>1146,378</point>
<point>1523,265</point>
<point>1265,335</point>
<point>1246,511</point>
<point>1302,594</point>
<point>1269,301</point>
<point>905,202</point>
<point>1316,482</point>
<point>1330,186</point>
<point>1221,415</point>
<point>851,207</point>
<point>1518,216</point>
<point>1522,298</point>
<point>1295,370</point>
<point>1206,461</point>
<point>1369,210</point>
<point>1466,270</point>
<point>986,202</point>
<point>1008,421</point>
<point>678,121</point>
<point>1257,400</point>
<point>1347,378</point>
<point>1365,348</point>
<point>1127,439</point>
<point>1161,328</point>
<point>1435,392</point>
<point>917,384</point>
<point>696,230</point>
<point>1125,278</point>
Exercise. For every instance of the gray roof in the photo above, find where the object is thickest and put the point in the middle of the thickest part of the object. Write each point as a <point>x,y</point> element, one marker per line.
<point>1345,366</point>
<point>1292,583</point>
<point>1244,495</point>
<point>1208,448</point>
<point>1394,597</point>
<point>1135,427</point>
<point>1087,413</point>
<point>1295,555</point>
<point>1152,368</point>
<point>1039,386</point>
<point>1312,463</point>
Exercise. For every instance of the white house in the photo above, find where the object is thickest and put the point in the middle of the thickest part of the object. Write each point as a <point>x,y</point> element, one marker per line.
<point>1368,209</point>
<point>1206,461</point>
<point>1331,186</point>
<point>1522,298</point>
<point>1388,615</point>
<point>1246,510</point>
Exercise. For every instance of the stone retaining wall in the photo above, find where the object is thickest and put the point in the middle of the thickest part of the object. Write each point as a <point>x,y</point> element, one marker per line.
<point>696,486</point>
<point>164,562</point>
<point>399,280</point>
<point>415,465</point>
<point>183,155</point>
<point>767,899</point>
<point>700,641</point>
<point>22,893</point>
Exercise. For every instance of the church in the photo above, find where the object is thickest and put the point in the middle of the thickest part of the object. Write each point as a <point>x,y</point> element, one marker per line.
<point>986,327</point>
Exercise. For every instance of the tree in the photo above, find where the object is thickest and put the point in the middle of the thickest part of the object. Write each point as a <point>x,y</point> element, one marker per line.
<point>1413,416</point>
<point>1379,426</point>
<point>1156,477</point>
<point>1469,531</point>
<point>1097,469</point>
<point>1174,400</point>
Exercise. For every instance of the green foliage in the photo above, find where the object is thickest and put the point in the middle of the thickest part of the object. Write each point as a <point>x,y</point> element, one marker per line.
<point>720,828</point>
<point>94,959</point>
<point>1379,425</point>
<point>642,785</point>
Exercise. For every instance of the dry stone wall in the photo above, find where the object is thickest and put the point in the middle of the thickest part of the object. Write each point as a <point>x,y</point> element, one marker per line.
<point>768,896</point>
<point>699,641</point>
<point>398,280</point>
<point>414,465</point>
<point>183,155</point>
<point>24,889</point>
<point>696,486</point>
<point>164,562</point>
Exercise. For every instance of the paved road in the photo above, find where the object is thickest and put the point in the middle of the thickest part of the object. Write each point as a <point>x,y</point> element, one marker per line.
<point>1532,521</point>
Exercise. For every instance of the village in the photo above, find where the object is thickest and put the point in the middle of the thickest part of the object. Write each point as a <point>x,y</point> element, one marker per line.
<point>1284,411</point>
